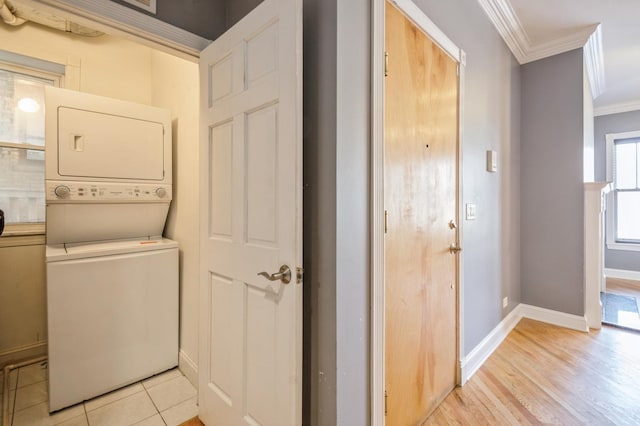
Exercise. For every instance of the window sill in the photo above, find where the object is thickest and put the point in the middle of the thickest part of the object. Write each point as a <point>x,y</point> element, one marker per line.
<point>623,246</point>
<point>23,235</point>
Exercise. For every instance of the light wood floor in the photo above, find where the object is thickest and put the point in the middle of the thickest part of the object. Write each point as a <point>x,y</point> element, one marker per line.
<point>542,374</point>
<point>192,422</point>
<point>620,286</point>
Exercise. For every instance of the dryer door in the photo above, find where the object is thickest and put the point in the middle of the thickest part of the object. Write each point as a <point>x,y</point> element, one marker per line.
<point>97,145</point>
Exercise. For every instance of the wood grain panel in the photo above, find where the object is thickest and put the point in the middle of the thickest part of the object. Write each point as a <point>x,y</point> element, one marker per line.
<point>543,374</point>
<point>421,132</point>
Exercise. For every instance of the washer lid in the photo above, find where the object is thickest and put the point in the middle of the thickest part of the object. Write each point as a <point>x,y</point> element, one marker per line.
<point>107,248</point>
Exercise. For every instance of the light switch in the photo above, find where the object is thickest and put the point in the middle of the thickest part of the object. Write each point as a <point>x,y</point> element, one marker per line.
<point>471,211</point>
<point>492,161</point>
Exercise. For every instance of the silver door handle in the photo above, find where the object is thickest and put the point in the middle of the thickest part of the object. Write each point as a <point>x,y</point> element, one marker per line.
<point>453,248</point>
<point>284,275</point>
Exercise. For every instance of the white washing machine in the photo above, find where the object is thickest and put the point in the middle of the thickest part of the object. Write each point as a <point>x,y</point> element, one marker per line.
<point>112,280</point>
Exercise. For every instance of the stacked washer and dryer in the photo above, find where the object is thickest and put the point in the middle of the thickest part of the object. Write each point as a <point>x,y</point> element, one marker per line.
<point>112,280</point>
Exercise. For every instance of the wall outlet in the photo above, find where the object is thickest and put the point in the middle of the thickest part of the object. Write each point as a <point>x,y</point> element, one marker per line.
<point>505,302</point>
<point>470,211</point>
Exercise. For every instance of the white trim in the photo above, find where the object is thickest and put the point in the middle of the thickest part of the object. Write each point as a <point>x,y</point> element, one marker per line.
<point>560,45</point>
<point>561,319</point>
<point>113,18</point>
<point>622,246</point>
<point>188,367</point>
<point>594,62</point>
<point>622,274</point>
<point>472,362</point>
<point>460,218</point>
<point>617,108</point>
<point>417,16</point>
<point>506,21</point>
<point>477,357</point>
<point>612,244</point>
<point>377,213</point>
<point>139,3</point>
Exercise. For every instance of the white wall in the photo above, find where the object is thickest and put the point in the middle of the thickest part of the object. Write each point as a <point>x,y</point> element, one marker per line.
<point>116,68</point>
<point>175,86</point>
<point>105,65</point>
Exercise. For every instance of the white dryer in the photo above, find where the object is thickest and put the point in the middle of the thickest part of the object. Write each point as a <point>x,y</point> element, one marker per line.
<point>112,280</point>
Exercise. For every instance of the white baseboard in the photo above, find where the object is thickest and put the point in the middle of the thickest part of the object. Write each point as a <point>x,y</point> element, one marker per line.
<point>622,274</point>
<point>188,368</point>
<point>561,319</point>
<point>21,353</point>
<point>472,362</point>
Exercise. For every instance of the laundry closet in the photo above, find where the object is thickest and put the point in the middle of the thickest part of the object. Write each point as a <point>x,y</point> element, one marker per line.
<point>109,67</point>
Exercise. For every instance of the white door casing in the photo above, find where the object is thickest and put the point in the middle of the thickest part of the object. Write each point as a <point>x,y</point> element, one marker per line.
<point>250,356</point>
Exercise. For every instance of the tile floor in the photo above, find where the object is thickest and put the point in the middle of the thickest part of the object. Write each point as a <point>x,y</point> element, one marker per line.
<point>166,399</point>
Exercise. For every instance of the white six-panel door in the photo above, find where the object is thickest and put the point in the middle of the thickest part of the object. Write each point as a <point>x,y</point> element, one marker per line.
<point>251,166</point>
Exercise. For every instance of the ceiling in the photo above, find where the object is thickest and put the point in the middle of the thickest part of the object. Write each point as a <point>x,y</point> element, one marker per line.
<point>534,29</point>
<point>540,28</point>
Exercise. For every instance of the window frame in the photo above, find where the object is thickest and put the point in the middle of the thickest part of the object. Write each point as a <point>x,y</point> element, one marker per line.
<point>25,65</point>
<point>612,241</point>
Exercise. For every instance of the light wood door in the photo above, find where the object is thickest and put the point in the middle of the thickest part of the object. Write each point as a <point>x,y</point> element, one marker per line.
<point>421,140</point>
<point>250,353</point>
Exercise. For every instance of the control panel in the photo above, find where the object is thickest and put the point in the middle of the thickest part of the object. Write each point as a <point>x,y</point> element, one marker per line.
<point>105,192</point>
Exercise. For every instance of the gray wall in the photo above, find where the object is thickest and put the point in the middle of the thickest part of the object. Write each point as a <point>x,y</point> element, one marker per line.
<point>615,123</point>
<point>336,203</point>
<point>491,120</point>
<point>208,19</point>
<point>337,176</point>
<point>552,207</point>
<point>319,242</point>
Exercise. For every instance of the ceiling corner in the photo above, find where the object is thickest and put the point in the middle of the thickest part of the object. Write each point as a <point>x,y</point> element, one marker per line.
<point>506,21</point>
<point>617,108</point>
<point>509,27</point>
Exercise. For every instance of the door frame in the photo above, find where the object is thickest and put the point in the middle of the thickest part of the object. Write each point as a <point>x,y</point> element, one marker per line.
<point>420,19</point>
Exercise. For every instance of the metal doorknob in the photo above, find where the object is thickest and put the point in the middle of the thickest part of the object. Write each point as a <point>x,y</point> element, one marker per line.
<point>453,248</point>
<point>284,275</point>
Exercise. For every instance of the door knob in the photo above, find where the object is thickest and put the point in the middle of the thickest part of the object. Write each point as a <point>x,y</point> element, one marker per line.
<point>284,275</point>
<point>453,248</point>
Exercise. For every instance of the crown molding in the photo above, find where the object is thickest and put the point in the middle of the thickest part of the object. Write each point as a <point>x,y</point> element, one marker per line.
<point>617,108</point>
<point>594,62</point>
<point>560,45</point>
<point>508,24</point>
<point>510,28</point>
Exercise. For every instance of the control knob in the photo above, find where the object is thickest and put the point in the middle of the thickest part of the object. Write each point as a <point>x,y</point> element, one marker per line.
<point>161,192</point>
<point>62,191</point>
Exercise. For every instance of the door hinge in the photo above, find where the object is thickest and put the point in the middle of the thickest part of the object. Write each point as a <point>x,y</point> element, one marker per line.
<point>299,275</point>
<point>386,221</point>
<point>385,402</point>
<point>386,64</point>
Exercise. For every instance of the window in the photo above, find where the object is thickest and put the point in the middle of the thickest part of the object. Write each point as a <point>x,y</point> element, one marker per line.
<point>623,169</point>
<point>22,146</point>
